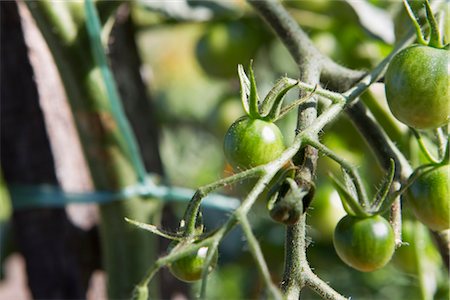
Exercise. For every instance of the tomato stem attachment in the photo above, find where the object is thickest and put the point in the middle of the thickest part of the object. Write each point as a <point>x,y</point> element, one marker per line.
<point>349,170</point>
<point>285,110</point>
<point>350,204</point>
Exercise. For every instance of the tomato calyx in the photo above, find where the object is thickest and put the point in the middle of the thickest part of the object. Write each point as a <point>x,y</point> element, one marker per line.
<point>354,197</point>
<point>435,37</point>
<point>271,107</point>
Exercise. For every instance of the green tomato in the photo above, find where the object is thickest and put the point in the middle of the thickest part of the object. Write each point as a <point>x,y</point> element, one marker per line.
<point>416,85</point>
<point>366,244</point>
<point>189,268</point>
<point>429,198</point>
<point>225,45</point>
<point>252,142</point>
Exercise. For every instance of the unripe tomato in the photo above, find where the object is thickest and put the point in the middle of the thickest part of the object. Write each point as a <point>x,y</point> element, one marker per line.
<point>416,84</point>
<point>429,198</point>
<point>366,244</point>
<point>252,142</point>
<point>189,268</point>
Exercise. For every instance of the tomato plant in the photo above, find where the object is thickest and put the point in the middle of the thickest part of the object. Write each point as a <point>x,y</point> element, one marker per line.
<point>429,198</point>
<point>417,82</point>
<point>189,268</point>
<point>366,244</point>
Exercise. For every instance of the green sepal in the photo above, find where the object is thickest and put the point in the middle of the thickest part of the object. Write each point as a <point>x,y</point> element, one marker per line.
<point>245,89</point>
<point>253,101</point>
<point>272,103</point>
<point>350,204</point>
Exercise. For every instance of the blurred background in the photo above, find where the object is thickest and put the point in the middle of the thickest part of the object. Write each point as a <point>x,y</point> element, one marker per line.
<point>189,52</point>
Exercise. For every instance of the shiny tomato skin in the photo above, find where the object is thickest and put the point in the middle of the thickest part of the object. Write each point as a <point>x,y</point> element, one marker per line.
<point>252,142</point>
<point>365,244</point>
<point>417,86</point>
<point>429,198</point>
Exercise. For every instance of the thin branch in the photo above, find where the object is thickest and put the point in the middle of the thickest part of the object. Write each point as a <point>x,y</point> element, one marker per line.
<point>255,249</point>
